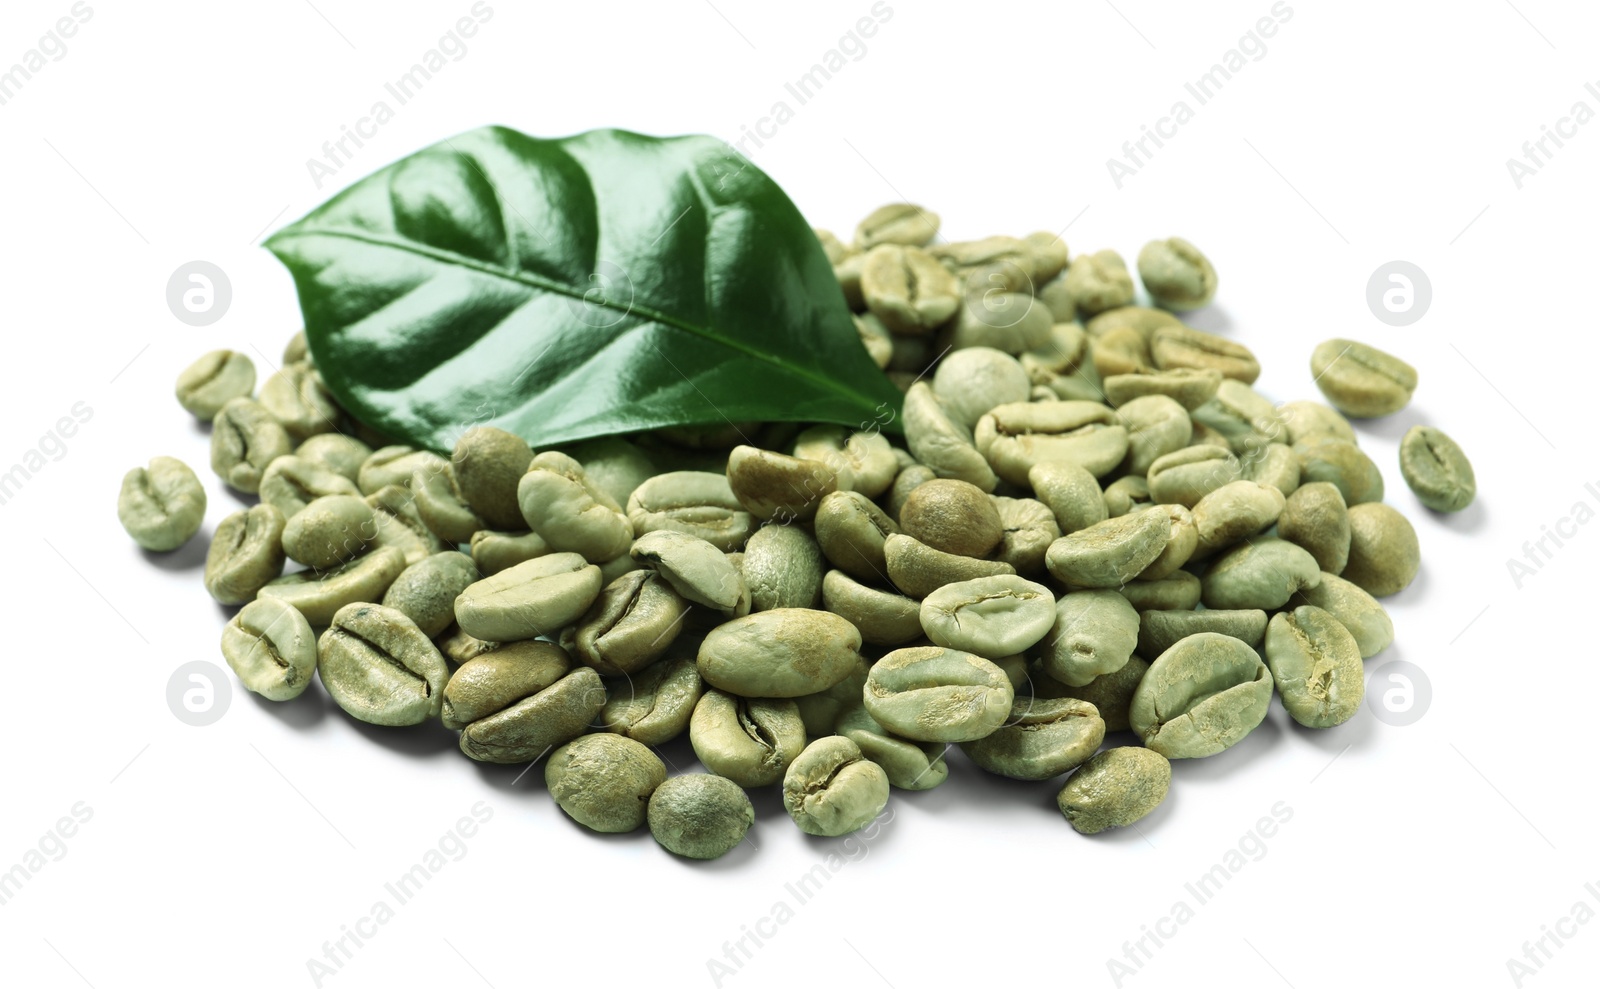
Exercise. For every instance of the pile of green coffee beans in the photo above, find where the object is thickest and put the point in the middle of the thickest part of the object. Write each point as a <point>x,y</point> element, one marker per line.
<point>1094,525</point>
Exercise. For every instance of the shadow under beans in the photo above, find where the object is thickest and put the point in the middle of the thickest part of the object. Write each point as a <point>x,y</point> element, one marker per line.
<point>738,857</point>
<point>518,778</point>
<point>768,802</point>
<point>190,556</point>
<point>679,756</point>
<point>1391,427</point>
<point>428,739</point>
<point>1357,734</point>
<point>1210,319</point>
<point>1468,521</point>
<point>1233,761</point>
<point>306,711</point>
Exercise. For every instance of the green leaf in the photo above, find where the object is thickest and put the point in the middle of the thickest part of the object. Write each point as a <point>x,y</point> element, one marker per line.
<point>563,289</point>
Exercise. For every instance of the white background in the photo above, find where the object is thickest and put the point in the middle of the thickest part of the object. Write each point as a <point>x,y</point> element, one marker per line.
<point>228,855</point>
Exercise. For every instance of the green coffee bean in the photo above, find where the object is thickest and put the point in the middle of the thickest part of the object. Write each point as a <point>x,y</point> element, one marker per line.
<point>1360,380</point>
<point>488,464</point>
<point>1305,422</point>
<point>1184,477</point>
<point>1359,612</point>
<point>1072,494</point>
<point>245,438</point>
<point>1183,539</point>
<point>320,594</point>
<point>459,647</point>
<point>831,789</point>
<point>271,648</point>
<point>1437,470</point>
<point>1384,555</point>
<point>970,382</point>
<point>500,678</point>
<point>1116,788</point>
<point>699,815</point>
<point>1200,697</point>
<point>774,486</point>
<point>851,531</point>
<point>1274,464</point>
<point>530,727</point>
<point>908,765</point>
<point>1234,512</point>
<point>918,569</point>
<point>908,289</point>
<point>1315,518</point>
<point>1099,281</point>
<point>337,452</point>
<point>1127,495</point>
<point>696,503</point>
<point>1048,253</point>
<point>570,512</point>
<point>1316,665</point>
<point>1041,739</point>
<point>1110,693</point>
<point>931,694</point>
<point>297,398</point>
<point>214,380</point>
<point>1179,590</point>
<point>1176,274</point>
<point>1120,351</point>
<point>397,523</point>
<point>990,265</point>
<point>1262,573</point>
<point>862,460</point>
<point>1028,528</point>
<point>1014,437</point>
<point>1189,387</point>
<point>443,508</point>
<point>539,597</point>
<point>613,464</point>
<point>400,465</point>
<point>329,531</point>
<point>380,668</point>
<point>631,624</point>
<point>1245,417</point>
<point>426,592</point>
<point>783,568</point>
<point>291,483</point>
<point>1062,362</point>
<point>162,505</point>
<point>785,652</point>
<point>910,477</point>
<point>654,705</point>
<point>1156,425</point>
<point>953,517</point>
<point>1110,553</point>
<point>246,552</point>
<point>493,552</point>
<point>819,711</point>
<point>1342,464</point>
<point>896,223</point>
<point>1160,630</point>
<point>695,569</point>
<point>750,741</point>
<point>988,616</point>
<point>883,618</point>
<point>1180,346</point>
<point>1094,634</point>
<point>604,782</point>
<point>1057,299</point>
<point>1142,318</point>
<point>940,443</point>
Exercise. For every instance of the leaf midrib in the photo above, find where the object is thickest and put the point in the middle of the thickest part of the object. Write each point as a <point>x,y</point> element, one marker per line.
<point>549,285</point>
